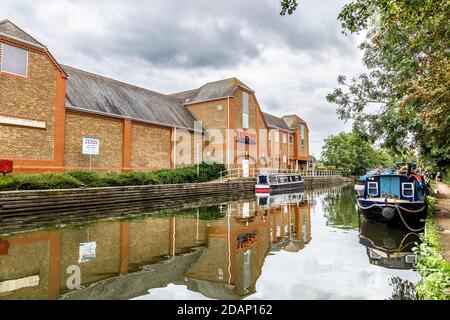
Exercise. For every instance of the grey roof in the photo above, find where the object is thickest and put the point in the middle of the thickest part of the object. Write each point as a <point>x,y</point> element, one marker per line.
<point>273,121</point>
<point>294,121</point>
<point>211,91</point>
<point>9,29</point>
<point>93,93</point>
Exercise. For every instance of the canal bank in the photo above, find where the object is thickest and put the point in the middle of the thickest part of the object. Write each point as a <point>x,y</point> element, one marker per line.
<point>19,203</point>
<point>433,253</point>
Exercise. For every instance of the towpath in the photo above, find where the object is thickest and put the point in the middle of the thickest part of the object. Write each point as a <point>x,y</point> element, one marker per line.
<point>442,217</point>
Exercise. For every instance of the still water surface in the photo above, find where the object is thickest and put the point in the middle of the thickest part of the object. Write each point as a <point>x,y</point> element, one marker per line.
<point>310,245</point>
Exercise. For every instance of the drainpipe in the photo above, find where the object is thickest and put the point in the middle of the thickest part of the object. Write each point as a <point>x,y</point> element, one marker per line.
<point>175,148</point>
<point>228,133</point>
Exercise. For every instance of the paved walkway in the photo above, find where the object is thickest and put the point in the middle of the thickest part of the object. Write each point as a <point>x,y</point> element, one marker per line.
<point>442,216</point>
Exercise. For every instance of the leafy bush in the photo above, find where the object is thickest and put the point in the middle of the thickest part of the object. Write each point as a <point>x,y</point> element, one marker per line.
<point>38,182</point>
<point>432,266</point>
<point>88,178</point>
<point>77,179</point>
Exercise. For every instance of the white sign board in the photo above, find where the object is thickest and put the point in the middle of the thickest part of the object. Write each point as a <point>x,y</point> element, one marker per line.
<point>246,168</point>
<point>246,210</point>
<point>87,251</point>
<point>91,146</point>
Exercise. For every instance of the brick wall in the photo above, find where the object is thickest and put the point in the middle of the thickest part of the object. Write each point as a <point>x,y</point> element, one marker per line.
<point>213,117</point>
<point>150,146</point>
<point>33,97</point>
<point>108,130</point>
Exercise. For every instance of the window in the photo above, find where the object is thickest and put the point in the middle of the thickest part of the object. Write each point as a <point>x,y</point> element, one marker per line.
<point>372,188</point>
<point>277,136</point>
<point>291,139</point>
<point>284,138</point>
<point>284,159</point>
<point>408,190</point>
<point>302,135</point>
<point>14,60</point>
<point>245,110</point>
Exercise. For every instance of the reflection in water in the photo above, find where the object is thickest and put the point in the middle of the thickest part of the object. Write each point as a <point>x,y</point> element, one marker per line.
<point>221,250</point>
<point>388,247</point>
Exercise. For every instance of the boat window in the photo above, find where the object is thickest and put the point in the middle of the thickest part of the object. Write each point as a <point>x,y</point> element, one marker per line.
<point>297,178</point>
<point>372,188</point>
<point>273,179</point>
<point>262,180</point>
<point>408,189</point>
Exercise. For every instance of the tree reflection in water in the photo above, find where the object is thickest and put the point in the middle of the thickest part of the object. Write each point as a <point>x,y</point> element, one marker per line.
<point>339,208</point>
<point>402,289</point>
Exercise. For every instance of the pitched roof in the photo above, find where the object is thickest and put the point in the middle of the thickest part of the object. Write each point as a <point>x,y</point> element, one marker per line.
<point>94,93</point>
<point>211,91</point>
<point>294,121</point>
<point>9,29</point>
<point>273,121</point>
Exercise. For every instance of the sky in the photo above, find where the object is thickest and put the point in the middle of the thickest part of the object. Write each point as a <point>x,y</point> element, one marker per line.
<point>168,46</point>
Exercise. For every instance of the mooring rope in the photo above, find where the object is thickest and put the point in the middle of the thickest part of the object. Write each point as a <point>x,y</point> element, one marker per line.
<point>397,206</point>
<point>403,220</point>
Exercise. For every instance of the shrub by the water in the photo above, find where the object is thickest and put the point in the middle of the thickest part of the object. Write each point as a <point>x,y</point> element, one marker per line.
<point>432,266</point>
<point>77,179</point>
<point>38,182</point>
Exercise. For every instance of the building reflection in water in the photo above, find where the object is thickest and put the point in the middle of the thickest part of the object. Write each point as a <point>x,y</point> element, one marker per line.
<point>217,250</point>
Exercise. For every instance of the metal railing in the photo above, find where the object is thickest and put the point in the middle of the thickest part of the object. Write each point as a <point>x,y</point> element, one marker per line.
<point>237,173</point>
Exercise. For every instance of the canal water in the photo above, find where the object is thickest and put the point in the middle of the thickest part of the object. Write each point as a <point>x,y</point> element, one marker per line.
<point>310,245</point>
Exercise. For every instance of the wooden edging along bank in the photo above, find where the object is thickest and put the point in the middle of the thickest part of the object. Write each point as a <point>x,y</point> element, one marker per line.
<point>19,202</point>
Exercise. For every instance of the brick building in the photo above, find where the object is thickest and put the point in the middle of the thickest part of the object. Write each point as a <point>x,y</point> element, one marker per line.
<point>46,109</point>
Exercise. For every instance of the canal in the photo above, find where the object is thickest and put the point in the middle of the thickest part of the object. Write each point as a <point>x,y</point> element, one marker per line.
<point>310,245</point>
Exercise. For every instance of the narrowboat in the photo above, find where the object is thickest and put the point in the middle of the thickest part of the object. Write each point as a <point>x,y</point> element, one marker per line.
<point>278,183</point>
<point>395,197</point>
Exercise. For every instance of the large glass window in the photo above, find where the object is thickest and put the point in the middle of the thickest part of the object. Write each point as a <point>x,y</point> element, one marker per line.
<point>14,60</point>
<point>245,110</point>
<point>302,135</point>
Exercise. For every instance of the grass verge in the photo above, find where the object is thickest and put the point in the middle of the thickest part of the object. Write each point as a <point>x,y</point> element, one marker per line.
<point>432,266</point>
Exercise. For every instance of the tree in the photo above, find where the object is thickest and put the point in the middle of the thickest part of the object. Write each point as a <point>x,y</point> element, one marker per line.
<point>353,154</point>
<point>408,78</point>
<point>288,6</point>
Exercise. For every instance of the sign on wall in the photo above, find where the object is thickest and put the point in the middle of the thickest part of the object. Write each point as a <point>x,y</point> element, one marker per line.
<point>245,137</point>
<point>91,146</point>
<point>87,251</point>
<point>14,121</point>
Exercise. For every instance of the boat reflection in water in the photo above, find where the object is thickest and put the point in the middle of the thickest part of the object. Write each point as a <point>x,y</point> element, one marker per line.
<point>387,246</point>
<point>216,250</point>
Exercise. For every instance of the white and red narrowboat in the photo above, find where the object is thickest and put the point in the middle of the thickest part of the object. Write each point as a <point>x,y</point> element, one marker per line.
<point>278,183</point>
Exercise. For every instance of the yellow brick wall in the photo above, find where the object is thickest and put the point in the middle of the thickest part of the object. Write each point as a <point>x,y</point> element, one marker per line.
<point>213,118</point>
<point>150,146</point>
<point>33,97</point>
<point>110,133</point>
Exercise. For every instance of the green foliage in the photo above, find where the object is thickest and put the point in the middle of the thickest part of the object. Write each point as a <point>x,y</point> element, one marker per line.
<point>77,179</point>
<point>353,154</point>
<point>432,266</point>
<point>38,182</point>
<point>406,55</point>
<point>340,209</point>
<point>288,6</point>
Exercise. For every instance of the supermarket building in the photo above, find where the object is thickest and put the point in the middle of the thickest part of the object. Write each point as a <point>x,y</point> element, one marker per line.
<point>48,111</point>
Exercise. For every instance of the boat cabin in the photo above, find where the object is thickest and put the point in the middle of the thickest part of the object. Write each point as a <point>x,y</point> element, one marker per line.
<point>402,187</point>
<point>275,179</point>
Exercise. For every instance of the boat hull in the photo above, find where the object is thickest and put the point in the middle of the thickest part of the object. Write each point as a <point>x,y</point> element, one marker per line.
<point>280,188</point>
<point>413,213</point>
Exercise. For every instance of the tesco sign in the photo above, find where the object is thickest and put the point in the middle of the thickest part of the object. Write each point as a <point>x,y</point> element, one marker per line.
<point>91,146</point>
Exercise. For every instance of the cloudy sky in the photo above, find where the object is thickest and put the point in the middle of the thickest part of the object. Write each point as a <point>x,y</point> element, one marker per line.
<point>291,62</point>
